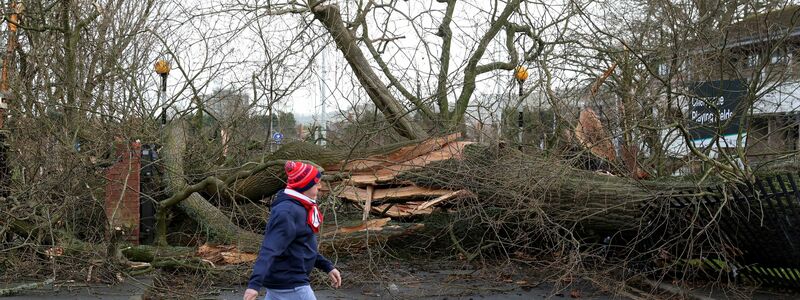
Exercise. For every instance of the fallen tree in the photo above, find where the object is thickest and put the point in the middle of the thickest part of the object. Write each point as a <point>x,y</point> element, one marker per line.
<point>507,200</point>
<point>217,226</point>
<point>259,180</point>
<point>505,178</point>
<point>347,238</point>
<point>539,188</point>
<point>267,181</point>
<point>547,190</point>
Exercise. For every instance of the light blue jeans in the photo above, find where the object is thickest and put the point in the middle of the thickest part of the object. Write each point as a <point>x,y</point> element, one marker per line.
<point>299,293</point>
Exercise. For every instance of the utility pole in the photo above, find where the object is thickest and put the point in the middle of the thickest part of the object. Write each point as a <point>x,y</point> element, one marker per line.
<point>271,128</point>
<point>322,96</point>
<point>497,95</point>
<point>502,104</point>
<point>520,116</point>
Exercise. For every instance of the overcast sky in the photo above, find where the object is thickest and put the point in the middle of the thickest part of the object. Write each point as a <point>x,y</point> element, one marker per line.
<point>223,49</point>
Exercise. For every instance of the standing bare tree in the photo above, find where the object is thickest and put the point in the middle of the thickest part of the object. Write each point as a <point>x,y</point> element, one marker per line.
<point>361,31</point>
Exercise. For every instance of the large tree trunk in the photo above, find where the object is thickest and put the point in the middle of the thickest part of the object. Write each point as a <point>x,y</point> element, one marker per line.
<point>508,180</point>
<point>580,198</point>
<point>268,181</point>
<point>395,113</point>
<point>217,226</point>
<point>577,199</point>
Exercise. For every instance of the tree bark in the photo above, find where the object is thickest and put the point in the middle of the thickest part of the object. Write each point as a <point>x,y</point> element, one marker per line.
<point>521,184</point>
<point>144,253</point>
<point>268,181</point>
<point>444,61</point>
<point>18,289</point>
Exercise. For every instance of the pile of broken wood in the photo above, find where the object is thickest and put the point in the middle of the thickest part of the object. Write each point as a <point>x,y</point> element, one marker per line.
<point>372,183</point>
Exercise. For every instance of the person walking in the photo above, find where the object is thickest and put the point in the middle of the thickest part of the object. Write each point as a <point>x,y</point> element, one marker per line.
<point>289,251</point>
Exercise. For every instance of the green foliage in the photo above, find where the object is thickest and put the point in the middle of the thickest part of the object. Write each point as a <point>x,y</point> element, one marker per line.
<point>285,123</point>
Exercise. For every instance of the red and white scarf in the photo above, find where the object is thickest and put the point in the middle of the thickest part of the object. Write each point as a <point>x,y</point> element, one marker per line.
<point>314,215</point>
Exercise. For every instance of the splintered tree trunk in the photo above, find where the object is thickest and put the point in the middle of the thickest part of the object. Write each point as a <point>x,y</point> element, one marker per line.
<point>268,181</point>
<point>584,199</point>
<point>262,183</point>
<point>507,180</point>
<point>217,226</point>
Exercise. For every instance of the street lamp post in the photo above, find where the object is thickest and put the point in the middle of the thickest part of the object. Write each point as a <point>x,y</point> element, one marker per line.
<point>162,68</point>
<point>520,74</point>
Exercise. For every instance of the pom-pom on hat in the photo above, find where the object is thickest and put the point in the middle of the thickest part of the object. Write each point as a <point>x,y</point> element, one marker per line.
<point>302,176</point>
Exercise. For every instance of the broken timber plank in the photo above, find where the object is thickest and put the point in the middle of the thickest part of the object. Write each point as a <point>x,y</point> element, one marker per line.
<point>224,254</point>
<point>448,197</point>
<point>402,210</point>
<point>359,195</point>
<point>403,154</point>
<point>408,192</point>
<point>388,173</point>
<point>372,225</point>
<point>415,208</point>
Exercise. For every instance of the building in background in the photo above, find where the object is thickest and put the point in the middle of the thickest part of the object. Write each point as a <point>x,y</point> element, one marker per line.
<point>226,105</point>
<point>756,61</point>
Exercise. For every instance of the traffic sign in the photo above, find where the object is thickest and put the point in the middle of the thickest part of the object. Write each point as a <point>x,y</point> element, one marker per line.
<point>277,137</point>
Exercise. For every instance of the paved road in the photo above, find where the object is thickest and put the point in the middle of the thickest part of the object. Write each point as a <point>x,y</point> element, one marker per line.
<point>433,286</point>
<point>424,285</point>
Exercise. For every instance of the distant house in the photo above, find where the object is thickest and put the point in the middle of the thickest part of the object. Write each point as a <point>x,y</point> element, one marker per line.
<point>225,105</point>
<point>752,61</point>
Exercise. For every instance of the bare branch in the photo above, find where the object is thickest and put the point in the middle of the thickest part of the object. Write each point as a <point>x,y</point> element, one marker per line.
<point>330,16</point>
<point>470,72</point>
<point>424,108</point>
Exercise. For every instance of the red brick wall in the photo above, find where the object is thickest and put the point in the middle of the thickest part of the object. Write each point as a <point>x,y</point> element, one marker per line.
<point>122,191</point>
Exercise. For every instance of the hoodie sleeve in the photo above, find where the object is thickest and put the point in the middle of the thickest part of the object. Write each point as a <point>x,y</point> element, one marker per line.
<point>280,233</point>
<point>323,263</point>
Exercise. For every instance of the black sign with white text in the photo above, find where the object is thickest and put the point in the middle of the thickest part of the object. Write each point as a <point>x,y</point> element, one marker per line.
<point>714,108</point>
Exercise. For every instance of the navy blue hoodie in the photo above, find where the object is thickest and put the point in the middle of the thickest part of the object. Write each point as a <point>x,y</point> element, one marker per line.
<point>289,251</point>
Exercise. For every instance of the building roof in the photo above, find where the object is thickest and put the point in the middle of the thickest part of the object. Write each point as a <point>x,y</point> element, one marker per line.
<point>785,18</point>
<point>770,25</point>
